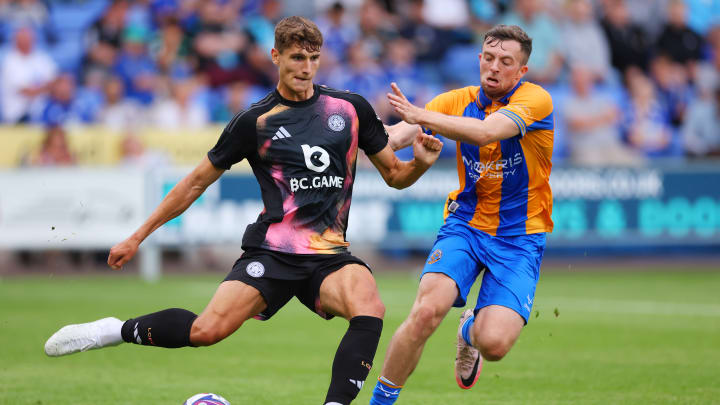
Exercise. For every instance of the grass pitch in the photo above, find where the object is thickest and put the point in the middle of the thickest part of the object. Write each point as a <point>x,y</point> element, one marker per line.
<point>612,337</point>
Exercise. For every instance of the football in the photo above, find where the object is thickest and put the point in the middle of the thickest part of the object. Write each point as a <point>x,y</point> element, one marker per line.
<point>206,399</point>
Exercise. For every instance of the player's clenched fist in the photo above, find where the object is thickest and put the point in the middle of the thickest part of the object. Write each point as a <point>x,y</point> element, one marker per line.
<point>426,148</point>
<point>122,253</point>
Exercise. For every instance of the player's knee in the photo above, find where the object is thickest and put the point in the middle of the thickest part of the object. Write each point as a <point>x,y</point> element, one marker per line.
<point>368,304</point>
<point>206,333</point>
<point>378,308</point>
<point>492,347</point>
<point>373,307</point>
<point>424,320</point>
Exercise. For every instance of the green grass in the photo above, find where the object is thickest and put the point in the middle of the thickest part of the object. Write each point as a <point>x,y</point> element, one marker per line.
<point>620,337</point>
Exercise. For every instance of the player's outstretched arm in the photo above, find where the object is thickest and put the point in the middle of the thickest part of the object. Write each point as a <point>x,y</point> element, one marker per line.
<point>400,174</point>
<point>401,135</point>
<point>493,128</point>
<point>175,203</point>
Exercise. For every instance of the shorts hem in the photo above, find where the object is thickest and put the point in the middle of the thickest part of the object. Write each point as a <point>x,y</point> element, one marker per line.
<point>461,299</point>
<point>479,307</point>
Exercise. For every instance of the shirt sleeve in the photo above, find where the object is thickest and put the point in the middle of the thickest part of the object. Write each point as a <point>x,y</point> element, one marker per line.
<point>530,108</point>
<point>372,137</point>
<point>443,103</point>
<point>448,103</point>
<point>237,141</point>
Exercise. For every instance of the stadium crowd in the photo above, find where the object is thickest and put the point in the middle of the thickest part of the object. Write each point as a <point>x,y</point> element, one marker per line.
<point>632,80</point>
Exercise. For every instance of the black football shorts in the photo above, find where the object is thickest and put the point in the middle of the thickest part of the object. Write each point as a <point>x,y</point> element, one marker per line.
<point>280,276</point>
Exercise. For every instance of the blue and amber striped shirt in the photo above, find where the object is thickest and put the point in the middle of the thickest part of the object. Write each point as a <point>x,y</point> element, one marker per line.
<point>504,186</point>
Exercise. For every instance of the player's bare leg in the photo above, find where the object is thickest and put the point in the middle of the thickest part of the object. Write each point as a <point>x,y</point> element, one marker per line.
<point>488,335</point>
<point>351,293</point>
<point>495,330</point>
<point>233,303</point>
<point>435,297</point>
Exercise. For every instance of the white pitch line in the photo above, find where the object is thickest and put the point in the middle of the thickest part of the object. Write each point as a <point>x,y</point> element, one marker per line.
<point>630,307</point>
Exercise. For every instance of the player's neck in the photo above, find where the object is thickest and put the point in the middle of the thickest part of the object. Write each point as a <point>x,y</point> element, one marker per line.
<point>288,94</point>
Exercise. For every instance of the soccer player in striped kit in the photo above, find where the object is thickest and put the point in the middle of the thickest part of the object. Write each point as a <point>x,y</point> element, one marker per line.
<point>495,221</point>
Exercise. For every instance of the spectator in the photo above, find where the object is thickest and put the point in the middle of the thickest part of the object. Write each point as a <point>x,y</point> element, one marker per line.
<point>225,54</point>
<point>339,31</point>
<point>592,122</point>
<point>700,129</point>
<point>134,154</point>
<point>677,40</point>
<point>62,108</point>
<point>545,61</point>
<point>103,40</point>
<point>25,77</point>
<point>236,97</point>
<point>428,42</point>
<point>628,42</point>
<point>170,49</point>
<point>54,150</point>
<point>377,26</point>
<point>650,14</point>
<point>32,14</point>
<point>400,67</point>
<point>584,41</point>
<point>707,78</point>
<point>362,74</point>
<point>262,26</point>
<point>179,110</point>
<point>135,67</point>
<point>119,113</point>
<point>646,123</point>
<point>673,87</point>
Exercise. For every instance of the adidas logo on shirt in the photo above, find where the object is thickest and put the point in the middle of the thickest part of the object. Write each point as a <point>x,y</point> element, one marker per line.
<point>281,134</point>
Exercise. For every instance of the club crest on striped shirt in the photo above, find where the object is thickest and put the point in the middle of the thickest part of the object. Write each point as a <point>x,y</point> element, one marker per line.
<point>435,256</point>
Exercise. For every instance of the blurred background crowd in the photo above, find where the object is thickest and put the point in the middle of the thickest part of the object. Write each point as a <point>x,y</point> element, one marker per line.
<point>633,81</point>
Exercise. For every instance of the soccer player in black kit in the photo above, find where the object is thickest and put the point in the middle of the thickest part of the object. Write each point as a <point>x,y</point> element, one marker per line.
<point>301,141</point>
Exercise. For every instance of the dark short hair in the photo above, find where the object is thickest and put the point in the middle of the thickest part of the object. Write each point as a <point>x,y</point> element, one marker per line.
<point>504,32</point>
<point>297,31</point>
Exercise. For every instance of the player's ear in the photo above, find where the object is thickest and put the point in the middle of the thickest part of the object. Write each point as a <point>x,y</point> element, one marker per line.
<point>523,70</point>
<point>275,56</point>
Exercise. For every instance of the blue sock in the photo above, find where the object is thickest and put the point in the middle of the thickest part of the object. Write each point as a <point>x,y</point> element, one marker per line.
<point>385,392</point>
<point>466,328</point>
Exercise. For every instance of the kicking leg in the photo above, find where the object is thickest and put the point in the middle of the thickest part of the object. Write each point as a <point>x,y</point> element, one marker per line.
<point>435,297</point>
<point>233,303</point>
<point>351,292</point>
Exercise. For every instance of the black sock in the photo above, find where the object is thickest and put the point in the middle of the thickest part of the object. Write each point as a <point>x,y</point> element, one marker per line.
<point>353,359</point>
<point>167,328</point>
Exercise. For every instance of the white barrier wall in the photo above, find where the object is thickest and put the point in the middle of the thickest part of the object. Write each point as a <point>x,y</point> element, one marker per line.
<point>67,208</point>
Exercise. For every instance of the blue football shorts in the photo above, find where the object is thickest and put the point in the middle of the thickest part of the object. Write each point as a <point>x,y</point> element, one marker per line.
<point>512,265</point>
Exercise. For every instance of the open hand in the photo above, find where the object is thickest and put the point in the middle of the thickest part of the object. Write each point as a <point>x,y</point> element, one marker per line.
<point>405,109</point>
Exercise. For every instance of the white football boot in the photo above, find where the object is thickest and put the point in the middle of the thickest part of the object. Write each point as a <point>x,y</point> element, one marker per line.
<point>85,336</point>
<point>468,361</point>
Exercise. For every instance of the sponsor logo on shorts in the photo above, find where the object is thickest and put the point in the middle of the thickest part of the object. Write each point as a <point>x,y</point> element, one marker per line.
<point>255,269</point>
<point>435,256</point>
